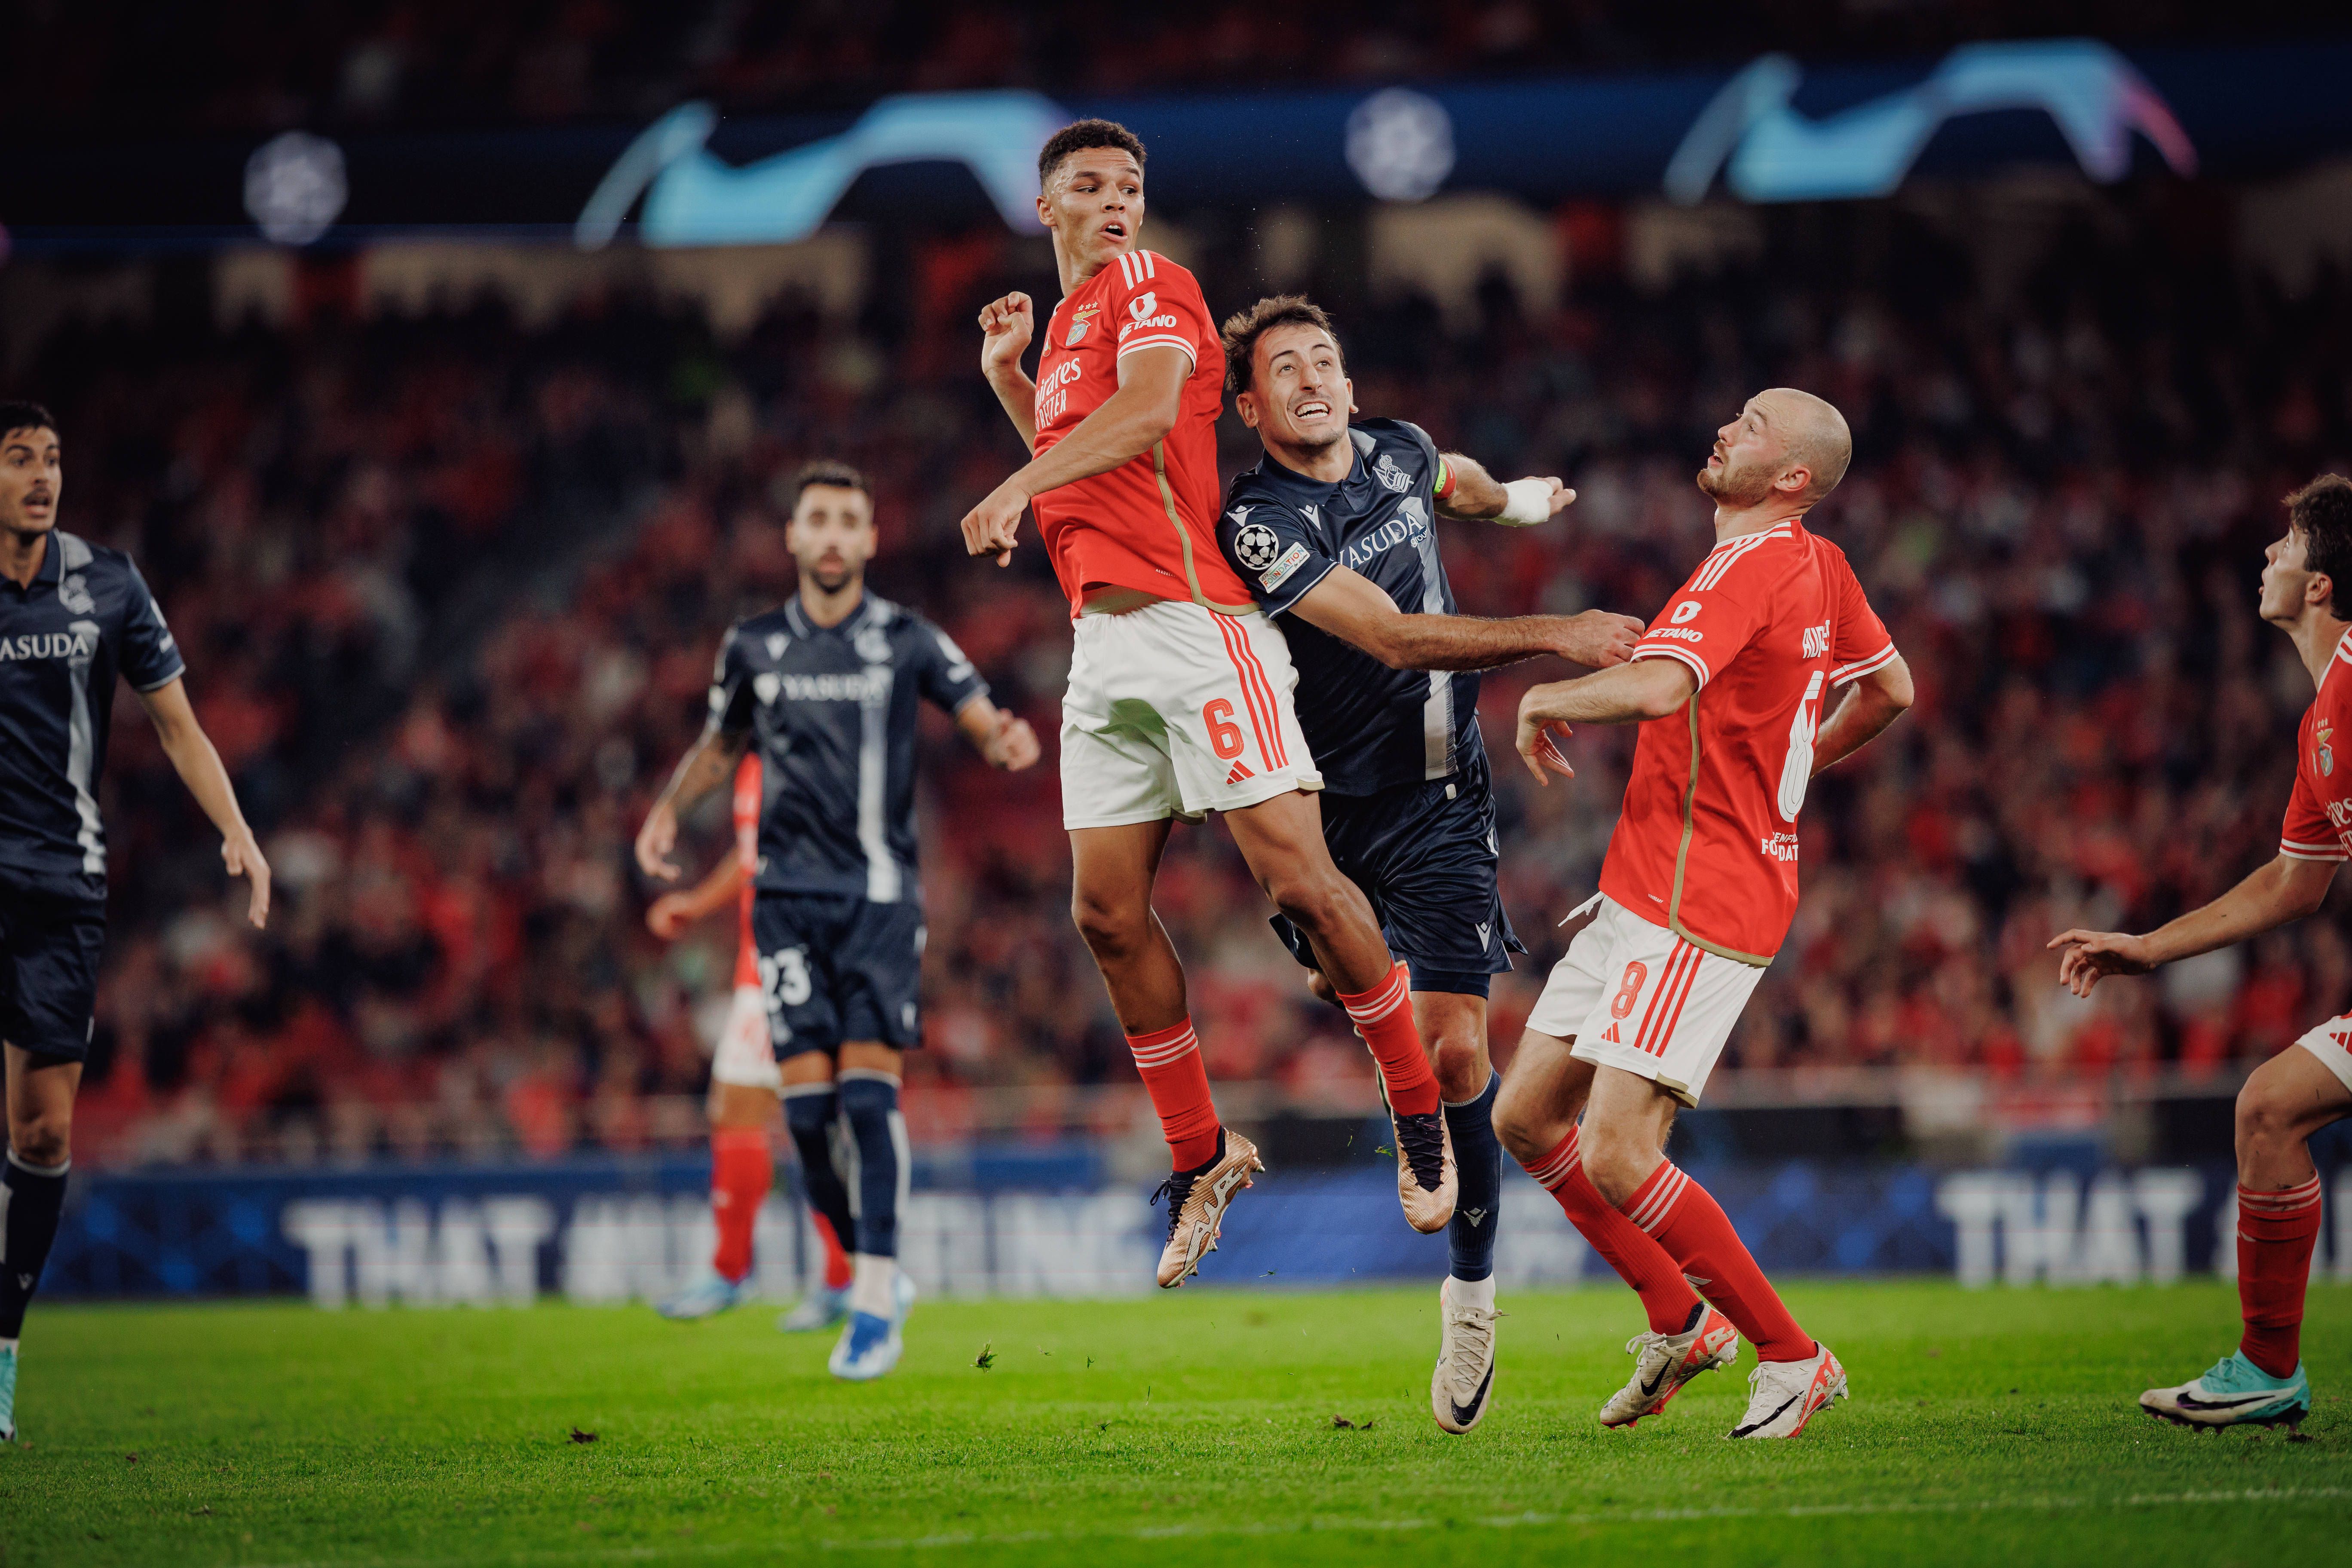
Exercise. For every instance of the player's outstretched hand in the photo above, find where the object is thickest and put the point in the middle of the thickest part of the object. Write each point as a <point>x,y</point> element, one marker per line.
<point>1007,325</point>
<point>1597,639</point>
<point>993,527</point>
<point>1014,746</point>
<point>1562,497</point>
<point>669,915</point>
<point>243,857</point>
<point>656,839</point>
<point>1541,741</point>
<point>2086,957</point>
<point>1531,500</point>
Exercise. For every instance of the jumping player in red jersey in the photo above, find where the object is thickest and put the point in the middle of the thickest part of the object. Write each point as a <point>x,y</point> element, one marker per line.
<point>1730,685</point>
<point>2296,1092</point>
<point>744,1088</point>
<point>1179,694</point>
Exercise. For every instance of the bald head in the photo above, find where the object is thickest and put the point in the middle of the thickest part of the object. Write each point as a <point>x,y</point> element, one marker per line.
<point>1788,447</point>
<point>1813,436</point>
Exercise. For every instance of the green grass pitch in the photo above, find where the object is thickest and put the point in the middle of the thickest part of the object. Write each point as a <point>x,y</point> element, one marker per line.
<point>1992,1427</point>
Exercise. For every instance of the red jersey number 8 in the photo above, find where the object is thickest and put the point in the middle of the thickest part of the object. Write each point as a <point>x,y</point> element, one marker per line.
<point>1224,734</point>
<point>1631,991</point>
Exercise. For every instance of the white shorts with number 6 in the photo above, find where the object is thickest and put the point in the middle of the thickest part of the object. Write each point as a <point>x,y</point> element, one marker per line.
<point>745,1058</point>
<point>1176,710</point>
<point>1637,997</point>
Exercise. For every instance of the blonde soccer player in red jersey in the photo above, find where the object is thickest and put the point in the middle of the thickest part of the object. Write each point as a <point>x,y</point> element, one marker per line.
<point>1179,694</point>
<point>2296,1092</point>
<point>744,1088</point>
<point>1731,686</point>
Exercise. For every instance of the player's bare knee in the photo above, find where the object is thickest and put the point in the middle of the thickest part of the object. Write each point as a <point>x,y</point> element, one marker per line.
<point>1112,928</point>
<point>2266,1117</point>
<point>1461,1066</point>
<point>1616,1163</point>
<point>1521,1114</point>
<point>41,1138</point>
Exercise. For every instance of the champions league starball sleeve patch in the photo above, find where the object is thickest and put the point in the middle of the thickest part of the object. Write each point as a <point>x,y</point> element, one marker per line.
<point>1256,546</point>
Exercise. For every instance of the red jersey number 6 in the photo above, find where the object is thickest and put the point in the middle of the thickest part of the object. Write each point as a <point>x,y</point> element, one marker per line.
<point>1224,734</point>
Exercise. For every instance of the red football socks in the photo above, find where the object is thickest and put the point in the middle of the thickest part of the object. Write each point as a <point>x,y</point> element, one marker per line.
<point>1695,1233</point>
<point>742,1172</point>
<point>2275,1232</point>
<point>1383,1015</point>
<point>1169,1061</point>
<point>837,1273</point>
<point>1640,1261</point>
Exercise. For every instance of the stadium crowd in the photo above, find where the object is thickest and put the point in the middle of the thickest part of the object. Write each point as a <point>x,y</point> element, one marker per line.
<point>449,592</point>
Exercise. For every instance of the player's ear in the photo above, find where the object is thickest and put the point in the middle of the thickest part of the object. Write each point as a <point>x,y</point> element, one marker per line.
<point>1044,210</point>
<point>1246,405</point>
<point>2319,589</point>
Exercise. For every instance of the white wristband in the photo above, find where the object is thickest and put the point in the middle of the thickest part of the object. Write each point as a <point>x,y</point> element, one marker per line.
<point>1525,504</point>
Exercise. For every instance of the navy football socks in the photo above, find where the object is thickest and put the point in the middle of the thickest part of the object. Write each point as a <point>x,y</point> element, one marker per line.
<point>869,1103</point>
<point>1478,1160</point>
<point>809,1114</point>
<point>30,1199</point>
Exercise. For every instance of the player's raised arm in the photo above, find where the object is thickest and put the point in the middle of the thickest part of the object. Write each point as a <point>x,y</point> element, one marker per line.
<point>672,912</point>
<point>1002,736</point>
<point>1006,326</point>
<point>1465,489</point>
<point>2286,890</point>
<point>1628,694</point>
<point>1130,421</point>
<point>199,767</point>
<point>1355,610</point>
<point>1871,704</point>
<point>708,764</point>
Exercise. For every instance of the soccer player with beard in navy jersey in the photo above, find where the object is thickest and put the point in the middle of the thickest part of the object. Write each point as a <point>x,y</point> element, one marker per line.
<point>1334,531</point>
<point>73,616</point>
<point>828,688</point>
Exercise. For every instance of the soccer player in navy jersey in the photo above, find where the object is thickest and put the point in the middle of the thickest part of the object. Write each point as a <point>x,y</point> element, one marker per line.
<point>1334,533</point>
<point>827,688</point>
<point>73,615</point>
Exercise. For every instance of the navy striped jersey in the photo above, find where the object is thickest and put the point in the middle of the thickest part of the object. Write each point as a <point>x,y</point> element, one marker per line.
<point>1370,727</point>
<point>87,616</point>
<point>832,710</point>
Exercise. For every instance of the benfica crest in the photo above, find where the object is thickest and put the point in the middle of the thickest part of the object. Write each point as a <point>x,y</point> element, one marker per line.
<point>2321,756</point>
<point>1080,320</point>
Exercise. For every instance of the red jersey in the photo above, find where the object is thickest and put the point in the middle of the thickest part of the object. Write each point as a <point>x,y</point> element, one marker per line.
<point>1150,523</point>
<point>1771,624</point>
<point>2320,808</point>
<point>747,855</point>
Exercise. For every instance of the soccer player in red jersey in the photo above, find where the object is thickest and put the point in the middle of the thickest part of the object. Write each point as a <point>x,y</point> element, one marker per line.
<point>744,1088</point>
<point>1731,686</point>
<point>1179,694</point>
<point>2296,1092</point>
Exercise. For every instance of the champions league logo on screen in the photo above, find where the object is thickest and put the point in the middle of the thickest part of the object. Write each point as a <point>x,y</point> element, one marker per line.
<point>1768,151</point>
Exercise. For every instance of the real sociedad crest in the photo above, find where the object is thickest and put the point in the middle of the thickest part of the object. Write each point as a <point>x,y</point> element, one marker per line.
<point>1389,474</point>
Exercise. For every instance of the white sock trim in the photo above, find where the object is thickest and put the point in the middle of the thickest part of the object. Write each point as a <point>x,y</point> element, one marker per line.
<point>30,1169</point>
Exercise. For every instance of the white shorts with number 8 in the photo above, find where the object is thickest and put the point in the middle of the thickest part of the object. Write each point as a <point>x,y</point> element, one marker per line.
<point>1635,996</point>
<point>1176,710</point>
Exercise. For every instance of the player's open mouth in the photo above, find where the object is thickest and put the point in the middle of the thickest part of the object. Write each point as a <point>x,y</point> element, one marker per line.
<point>1313,408</point>
<point>1114,230</point>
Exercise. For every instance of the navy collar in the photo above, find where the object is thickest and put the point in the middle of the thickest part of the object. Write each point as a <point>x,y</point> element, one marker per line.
<point>804,627</point>
<point>51,568</point>
<point>1273,469</point>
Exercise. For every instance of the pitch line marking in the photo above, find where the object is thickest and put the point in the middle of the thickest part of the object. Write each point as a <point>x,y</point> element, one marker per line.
<point>646,1549</point>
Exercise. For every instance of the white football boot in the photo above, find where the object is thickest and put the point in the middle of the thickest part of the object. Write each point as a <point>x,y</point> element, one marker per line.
<point>1664,1362</point>
<point>1464,1385</point>
<point>1782,1395</point>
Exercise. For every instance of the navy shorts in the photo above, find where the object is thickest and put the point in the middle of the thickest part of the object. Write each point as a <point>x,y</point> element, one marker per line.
<point>1424,854</point>
<point>49,952</point>
<point>836,968</point>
